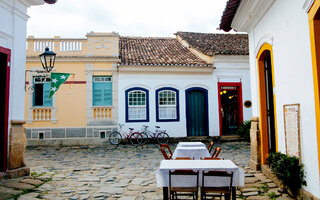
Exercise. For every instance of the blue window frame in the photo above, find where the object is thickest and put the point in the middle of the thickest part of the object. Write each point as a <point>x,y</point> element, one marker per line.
<point>102,91</point>
<point>167,104</point>
<point>137,105</point>
<point>41,86</point>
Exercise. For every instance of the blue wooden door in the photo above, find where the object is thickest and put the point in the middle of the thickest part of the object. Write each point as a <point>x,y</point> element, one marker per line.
<point>197,112</point>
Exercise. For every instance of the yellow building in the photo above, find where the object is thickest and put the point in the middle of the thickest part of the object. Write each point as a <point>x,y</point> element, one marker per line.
<point>91,91</point>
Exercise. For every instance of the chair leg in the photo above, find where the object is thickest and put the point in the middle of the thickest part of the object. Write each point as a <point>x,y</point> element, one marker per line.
<point>227,196</point>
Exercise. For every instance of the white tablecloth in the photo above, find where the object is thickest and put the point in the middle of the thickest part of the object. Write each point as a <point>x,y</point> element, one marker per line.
<point>192,152</point>
<point>191,144</point>
<point>162,173</point>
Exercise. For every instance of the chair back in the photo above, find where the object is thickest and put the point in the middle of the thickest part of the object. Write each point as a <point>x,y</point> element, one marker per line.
<point>210,147</point>
<point>216,152</point>
<point>183,172</point>
<point>165,155</point>
<point>224,174</point>
<point>210,158</point>
<point>166,146</point>
<point>183,158</point>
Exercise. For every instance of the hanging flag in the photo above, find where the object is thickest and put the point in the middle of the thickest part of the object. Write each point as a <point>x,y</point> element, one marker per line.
<point>56,80</point>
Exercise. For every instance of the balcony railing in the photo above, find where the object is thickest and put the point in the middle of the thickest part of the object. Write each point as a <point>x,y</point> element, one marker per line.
<point>41,114</point>
<point>102,112</point>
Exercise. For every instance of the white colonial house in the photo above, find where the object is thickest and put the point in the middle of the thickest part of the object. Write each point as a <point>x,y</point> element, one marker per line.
<point>13,15</point>
<point>284,60</point>
<point>191,85</point>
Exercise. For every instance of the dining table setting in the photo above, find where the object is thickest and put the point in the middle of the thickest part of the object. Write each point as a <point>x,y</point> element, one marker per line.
<point>196,152</point>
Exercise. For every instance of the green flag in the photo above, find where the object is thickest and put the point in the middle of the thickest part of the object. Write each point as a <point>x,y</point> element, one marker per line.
<point>56,80</point>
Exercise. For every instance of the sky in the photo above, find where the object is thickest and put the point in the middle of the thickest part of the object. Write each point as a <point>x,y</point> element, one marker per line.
<point>145,18</point>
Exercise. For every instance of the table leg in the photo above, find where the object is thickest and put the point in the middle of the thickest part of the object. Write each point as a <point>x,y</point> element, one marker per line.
<point>233,193</point>
<point>165,193</point>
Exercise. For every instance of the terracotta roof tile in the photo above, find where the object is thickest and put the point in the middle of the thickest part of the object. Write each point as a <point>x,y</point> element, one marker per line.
<point>217,44</point>
<point>156,51</point>
<point>228,14</point>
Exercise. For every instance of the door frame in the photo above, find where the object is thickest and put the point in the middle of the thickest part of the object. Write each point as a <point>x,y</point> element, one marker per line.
<point>206,105</point>
<point>266,47</point>
<point>6,113</point>
<point>231,84</point>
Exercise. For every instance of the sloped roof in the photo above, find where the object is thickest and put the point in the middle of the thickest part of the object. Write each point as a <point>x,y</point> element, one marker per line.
<point>157,51</point>
<point>228,15</point>
<point>217,44</point>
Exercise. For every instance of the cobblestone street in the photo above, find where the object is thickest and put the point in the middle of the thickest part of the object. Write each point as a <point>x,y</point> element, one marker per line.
<point>122,173</point>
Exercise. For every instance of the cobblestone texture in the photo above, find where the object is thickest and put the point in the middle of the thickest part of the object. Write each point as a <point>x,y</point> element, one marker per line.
<point>123,173</point>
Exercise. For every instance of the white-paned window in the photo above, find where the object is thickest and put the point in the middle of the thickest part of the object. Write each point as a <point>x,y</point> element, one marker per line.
<point>137,105</point>
<point>167,100</point>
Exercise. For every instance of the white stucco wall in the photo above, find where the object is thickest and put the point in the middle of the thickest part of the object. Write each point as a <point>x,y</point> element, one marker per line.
<point>285,27</point>
<point>13,15</point>
<point>183,81</point>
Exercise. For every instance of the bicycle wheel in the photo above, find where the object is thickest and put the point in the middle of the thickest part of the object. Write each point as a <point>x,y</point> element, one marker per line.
<point>144,137</point>
<point>115,138</point>
<point>162,138</point>
<point>136,139</point>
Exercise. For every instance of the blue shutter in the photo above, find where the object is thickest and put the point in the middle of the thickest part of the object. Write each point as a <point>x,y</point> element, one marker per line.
<point>97,94</point>
<point>107,94</point>
<point>46,91</point>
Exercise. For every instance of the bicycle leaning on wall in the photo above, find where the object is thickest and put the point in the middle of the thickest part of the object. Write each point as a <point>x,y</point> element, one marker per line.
<point>134,137</point>
<point>160,135</point>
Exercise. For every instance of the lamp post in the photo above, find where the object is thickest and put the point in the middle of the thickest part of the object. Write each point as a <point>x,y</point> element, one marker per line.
<point>47,59</point>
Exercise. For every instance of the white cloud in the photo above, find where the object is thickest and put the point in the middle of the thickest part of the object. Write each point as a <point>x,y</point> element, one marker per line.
<point>75,18</point>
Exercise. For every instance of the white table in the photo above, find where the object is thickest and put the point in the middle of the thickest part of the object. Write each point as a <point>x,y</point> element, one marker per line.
<point>162,173</point>
<point>191,144</point>
<point>191,151</point>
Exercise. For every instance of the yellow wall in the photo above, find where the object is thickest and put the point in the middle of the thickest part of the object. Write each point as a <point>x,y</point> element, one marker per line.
<point>71,104</point>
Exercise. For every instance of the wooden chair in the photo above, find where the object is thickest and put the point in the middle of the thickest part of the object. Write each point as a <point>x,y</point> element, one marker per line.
<point>174,192</point>
<point>183,158</point>
<point>164,153</point>
<point>166,146</point>
<point>216,191</point>
<point>210,158</point>
<point>210,147</point>
<point>216,152</point>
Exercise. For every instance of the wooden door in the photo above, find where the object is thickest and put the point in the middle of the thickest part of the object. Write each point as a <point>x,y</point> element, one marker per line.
<point>197,112</point>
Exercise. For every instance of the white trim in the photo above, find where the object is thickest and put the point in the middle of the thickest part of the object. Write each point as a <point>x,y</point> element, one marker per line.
<point>307,5</point>
<point>249,13</point>
<point>197,85</point>
<point>149,68</point>
<point>167,85</point>
<point>266,39</point>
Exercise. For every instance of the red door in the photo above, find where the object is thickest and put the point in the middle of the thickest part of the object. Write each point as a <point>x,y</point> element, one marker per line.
<point>4,105</point>
<point>230,107</point>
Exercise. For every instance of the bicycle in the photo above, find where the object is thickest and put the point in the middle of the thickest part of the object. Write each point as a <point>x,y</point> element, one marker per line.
<point>160,135</point>
<point>135,138</point>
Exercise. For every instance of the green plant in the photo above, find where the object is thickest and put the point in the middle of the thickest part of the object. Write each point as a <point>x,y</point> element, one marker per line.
<point>272,195</point>
<point>244,130</point>
<point>288,170</point>
<point>264,188</point>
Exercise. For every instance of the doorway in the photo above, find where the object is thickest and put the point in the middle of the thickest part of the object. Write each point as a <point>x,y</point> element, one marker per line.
<point>197,112</point>
<point>230,107</point>
<point>268,126</point>
<point>269,103</point>
<point>4,105</point>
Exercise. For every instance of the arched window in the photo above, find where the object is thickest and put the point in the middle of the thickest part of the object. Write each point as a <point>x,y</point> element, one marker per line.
<point>137,105</point>
<point>167,104</point>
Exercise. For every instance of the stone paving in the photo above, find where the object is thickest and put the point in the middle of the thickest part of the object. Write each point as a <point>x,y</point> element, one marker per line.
<point>124,173</point>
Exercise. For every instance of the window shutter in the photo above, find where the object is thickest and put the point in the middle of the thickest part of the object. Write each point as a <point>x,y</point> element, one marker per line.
<point>46,91</point>
<point>97,93</point>
<point>107,94</point>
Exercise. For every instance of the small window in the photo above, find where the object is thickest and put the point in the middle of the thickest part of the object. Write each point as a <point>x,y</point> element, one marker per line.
<point>41,135</point>
<point>41,92</point>
<point>167,104</point>
<point>102,134</point>
<point>137,105</point>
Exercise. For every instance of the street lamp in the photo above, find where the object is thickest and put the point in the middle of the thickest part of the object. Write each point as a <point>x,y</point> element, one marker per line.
<point>47,59</point>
